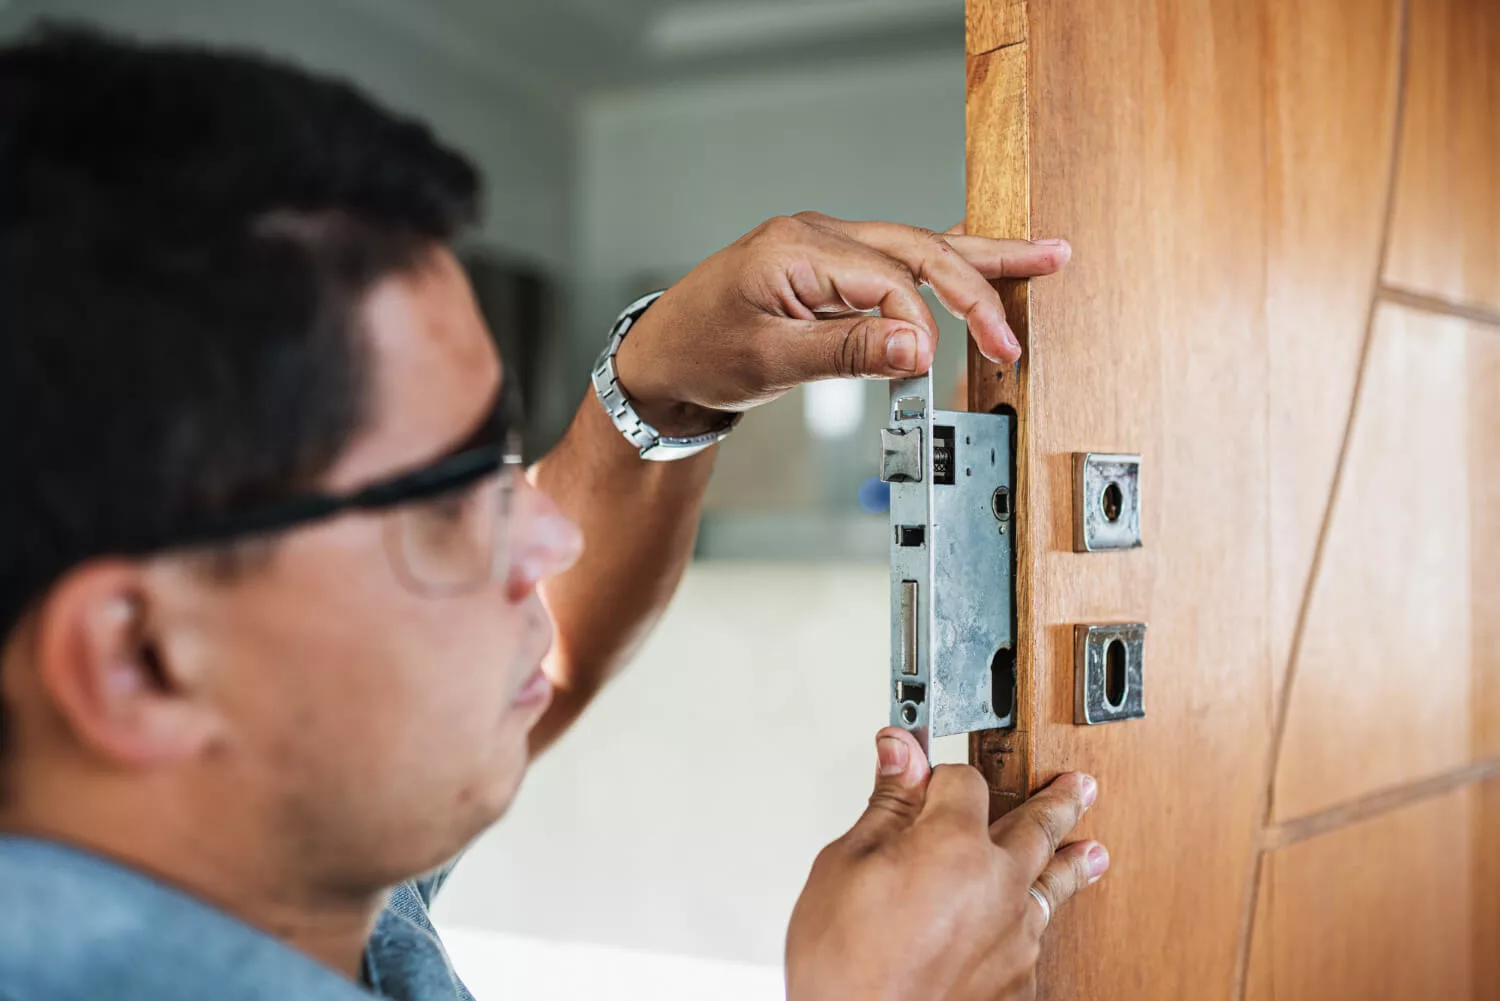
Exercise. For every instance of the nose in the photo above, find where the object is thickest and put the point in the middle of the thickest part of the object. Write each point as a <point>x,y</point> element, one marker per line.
<point>544,541</point>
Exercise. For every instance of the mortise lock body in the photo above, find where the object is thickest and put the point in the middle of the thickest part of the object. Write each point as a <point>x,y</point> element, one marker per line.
<point>952,481</point>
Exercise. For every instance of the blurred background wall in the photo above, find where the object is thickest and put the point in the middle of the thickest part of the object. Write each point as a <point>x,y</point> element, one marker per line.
<point>622,141</point>
<point>524,144</point>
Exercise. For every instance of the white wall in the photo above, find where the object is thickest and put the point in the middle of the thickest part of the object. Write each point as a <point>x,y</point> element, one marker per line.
<point>669,175</point>
<point>497,966</point>
<point>524,149</point>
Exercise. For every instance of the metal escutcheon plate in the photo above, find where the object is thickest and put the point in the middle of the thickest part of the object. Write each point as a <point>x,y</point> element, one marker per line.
<point>1106,501</point>
<point>1109,673</point>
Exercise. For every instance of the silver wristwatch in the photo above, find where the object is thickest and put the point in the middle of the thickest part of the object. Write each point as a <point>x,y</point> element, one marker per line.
<point>653,445</point>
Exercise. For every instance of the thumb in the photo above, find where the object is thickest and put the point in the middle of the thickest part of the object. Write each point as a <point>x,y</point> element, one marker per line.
<point>900,788</point>
<point>867,346</point>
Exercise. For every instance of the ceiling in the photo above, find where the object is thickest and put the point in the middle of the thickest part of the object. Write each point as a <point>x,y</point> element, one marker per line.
<point>562,49</point>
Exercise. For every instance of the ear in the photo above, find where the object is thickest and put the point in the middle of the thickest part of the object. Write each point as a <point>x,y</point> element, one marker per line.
<point>102,666</point>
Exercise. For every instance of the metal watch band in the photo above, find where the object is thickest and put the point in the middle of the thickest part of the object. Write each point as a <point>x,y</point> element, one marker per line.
<point>652,444</point>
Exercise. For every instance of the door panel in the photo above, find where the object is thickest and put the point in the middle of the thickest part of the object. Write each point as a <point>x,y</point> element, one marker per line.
<point>1156,327</point>
<point>1484,564</point>
<point>1487,893</point>
<point>1330,128</point>
<point>1445,238</point>
<point>1387,641</point>
<point>1300,814</point>
<point>1378,911</point>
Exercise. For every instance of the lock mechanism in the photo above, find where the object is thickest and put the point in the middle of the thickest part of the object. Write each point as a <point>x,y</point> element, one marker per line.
<point>952,480</point>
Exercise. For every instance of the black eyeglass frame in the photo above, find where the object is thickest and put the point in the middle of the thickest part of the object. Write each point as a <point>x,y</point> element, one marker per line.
<point>493,446</point>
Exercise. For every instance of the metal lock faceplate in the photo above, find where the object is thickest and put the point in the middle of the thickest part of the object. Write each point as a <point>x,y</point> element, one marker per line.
<point>952,566</point>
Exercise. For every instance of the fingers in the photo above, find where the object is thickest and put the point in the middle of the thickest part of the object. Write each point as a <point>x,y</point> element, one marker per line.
<point>900,789</point>
<point>936,262</point>
<point>834,274</point>
<point>1070,870</point>
<point>841,268</point>
<point>1013,258</point>
<point>959,793</point>
<point>1033,832</point>
<point>859,346</point>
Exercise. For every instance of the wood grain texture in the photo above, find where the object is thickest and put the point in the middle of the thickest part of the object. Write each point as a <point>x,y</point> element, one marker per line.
<point>1484,534</point>
<point>1227,173</point>
<point>1154,171</point>
<point>1446,228</point>
<point>1379,911</point>
<point>1332,72</point>
<point>1486,892</point>
<point>998,167</point>
<point>1261,970</point>
<point>1387,640</point>
<point>992,24</point>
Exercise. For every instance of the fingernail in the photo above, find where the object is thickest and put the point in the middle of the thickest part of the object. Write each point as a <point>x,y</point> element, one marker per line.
<point>1009,336</point>
<point>893,754</point>
<point>1098,863</point>
<point>1090,791</point>
<point>901,351</point>
<point>1050,242</point>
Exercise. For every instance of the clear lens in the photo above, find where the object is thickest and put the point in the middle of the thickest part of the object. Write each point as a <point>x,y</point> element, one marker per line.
<point>454,542</point>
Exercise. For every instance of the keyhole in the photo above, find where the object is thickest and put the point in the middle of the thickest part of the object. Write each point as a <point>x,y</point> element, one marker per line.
<point>1111,501</point>
<point>1114,674</point>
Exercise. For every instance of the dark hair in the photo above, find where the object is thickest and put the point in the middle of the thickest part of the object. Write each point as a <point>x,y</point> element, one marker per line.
<point>184,238</point>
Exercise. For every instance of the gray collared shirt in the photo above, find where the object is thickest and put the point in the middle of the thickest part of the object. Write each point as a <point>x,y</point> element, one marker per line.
<point>77,927</point>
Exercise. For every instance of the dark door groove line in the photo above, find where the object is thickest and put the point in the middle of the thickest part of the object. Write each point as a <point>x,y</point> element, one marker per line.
<point>1288,683</point>
<point>1425,303</point>
<point>1279,836</point>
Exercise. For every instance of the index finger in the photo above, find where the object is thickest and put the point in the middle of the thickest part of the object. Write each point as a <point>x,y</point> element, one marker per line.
<point>1033,832</point>
<point>1012,258</point>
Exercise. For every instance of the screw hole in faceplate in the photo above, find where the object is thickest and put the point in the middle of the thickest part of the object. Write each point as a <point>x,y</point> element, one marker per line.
<point>909,714</point>
<point>1112,501</point>
<point>1114,673</point>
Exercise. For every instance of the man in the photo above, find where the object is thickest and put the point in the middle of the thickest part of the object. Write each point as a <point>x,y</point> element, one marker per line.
<point>283,622</point>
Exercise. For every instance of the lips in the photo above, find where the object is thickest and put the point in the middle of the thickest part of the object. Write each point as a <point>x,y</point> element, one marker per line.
<point>535,691</point>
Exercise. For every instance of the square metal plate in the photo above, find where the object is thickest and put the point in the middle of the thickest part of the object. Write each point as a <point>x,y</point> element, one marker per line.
<point>1109,673</point>
<point>1106,501</point>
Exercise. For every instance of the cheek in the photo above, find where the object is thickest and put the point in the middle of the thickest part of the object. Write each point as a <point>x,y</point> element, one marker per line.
<point>334,656</point>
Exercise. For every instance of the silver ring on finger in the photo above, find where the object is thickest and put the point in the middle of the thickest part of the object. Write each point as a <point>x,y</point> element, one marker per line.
<point>1042,902</point>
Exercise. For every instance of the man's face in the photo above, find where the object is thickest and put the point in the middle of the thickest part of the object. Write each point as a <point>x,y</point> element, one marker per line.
<point>379,729</point>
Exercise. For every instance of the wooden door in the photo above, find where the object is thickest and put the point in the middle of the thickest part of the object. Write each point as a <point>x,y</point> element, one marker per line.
<point>1285,294</point>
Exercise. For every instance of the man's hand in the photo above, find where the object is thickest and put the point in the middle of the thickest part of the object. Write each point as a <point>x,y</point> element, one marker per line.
<point>790,302</point>
<point>923,900</point>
